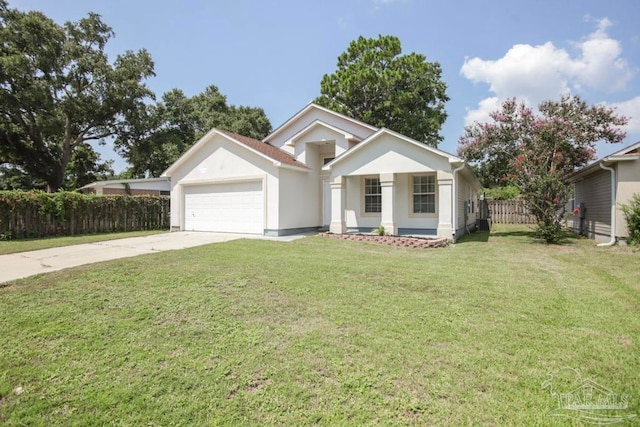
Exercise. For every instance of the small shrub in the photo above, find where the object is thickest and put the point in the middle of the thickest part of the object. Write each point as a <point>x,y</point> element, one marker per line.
<point>632,215</point>
<point>380,231</point>
<point>550,232</point>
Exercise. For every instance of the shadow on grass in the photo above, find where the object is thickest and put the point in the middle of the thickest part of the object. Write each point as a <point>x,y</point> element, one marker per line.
<point>566,237</point>
<point>484,236</point>
<point>528,234</point>
<point>515,233</point>
<point>477,236</point>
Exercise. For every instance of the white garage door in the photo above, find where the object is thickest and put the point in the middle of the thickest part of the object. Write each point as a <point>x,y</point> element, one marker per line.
<point>231,207</point>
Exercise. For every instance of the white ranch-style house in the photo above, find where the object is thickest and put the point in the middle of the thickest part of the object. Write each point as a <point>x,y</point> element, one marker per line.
<point>321,170</point>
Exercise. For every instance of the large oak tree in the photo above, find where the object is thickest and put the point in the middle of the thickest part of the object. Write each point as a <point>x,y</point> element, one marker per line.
<point>378,85</point>
<point>58,90</point>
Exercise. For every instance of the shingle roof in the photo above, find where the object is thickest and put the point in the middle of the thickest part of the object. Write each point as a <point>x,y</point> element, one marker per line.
<point>630,151</point>
<point>266,149</point>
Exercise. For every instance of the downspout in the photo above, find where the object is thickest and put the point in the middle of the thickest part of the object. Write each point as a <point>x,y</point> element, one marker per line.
<point>454,213</point>
<point>613,206</point>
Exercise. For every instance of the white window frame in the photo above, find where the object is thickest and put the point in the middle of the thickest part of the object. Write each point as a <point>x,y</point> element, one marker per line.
<point>412,194</point>
<point>364,196</point>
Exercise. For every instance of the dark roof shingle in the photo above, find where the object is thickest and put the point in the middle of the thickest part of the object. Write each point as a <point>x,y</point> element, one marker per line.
<point>266,149</point>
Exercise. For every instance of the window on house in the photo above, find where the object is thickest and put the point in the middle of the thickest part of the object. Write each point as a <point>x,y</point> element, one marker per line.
<point>424,194</point>
<point>372,195</point>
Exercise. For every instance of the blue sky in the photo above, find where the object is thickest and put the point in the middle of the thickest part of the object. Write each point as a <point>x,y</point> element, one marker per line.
<point>273,54</point>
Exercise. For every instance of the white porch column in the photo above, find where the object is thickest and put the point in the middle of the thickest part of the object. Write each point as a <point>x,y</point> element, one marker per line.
<point>177,207</point>
<point>445,206</point>
<point>388,214</point>
<point>338,201</point>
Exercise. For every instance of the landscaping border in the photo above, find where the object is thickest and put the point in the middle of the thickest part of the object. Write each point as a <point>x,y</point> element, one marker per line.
<point>399,241</point>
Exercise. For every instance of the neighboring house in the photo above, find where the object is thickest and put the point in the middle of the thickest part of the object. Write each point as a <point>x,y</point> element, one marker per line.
<point>321,170</point>
<point>134,187</point>
<point>600,189</point>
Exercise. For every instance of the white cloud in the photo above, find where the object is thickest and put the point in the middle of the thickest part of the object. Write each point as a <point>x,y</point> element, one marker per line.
<point>536,73</point>
<point>481,114</point>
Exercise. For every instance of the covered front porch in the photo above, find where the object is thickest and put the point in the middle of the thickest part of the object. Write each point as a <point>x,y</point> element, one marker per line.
<point>405,186</point>
<point>415,203</point>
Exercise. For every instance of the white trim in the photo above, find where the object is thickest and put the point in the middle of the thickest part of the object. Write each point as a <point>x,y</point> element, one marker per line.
<point>622,158</point>
<point>202,182</point>
<point>124,181</point>
<point>625,150</point>
<point>615,157</point>
<point>292,167</point>
<point>195,147</point>
<point>363,211</point>
<point>612,241</point>
<point>454,201</point>
<point>410,212</point>
<point>319,123</point>
<point>205,181</point>
<point>451,158</point>
<point>205,139</point>
<point>338,205</point>
<point>308,108</point>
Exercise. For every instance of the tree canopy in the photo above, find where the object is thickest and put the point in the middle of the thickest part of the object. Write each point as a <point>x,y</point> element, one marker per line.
<point>537,152</point>
<point>378,85</point>
<point>58,90</point>
<point>169,127</point>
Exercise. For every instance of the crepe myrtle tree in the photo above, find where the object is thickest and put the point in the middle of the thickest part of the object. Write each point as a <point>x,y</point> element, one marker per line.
<point>540,150</point>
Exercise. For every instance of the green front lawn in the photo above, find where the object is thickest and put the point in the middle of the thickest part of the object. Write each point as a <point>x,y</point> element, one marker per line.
<point>24,245</point>
<point>321,331</point>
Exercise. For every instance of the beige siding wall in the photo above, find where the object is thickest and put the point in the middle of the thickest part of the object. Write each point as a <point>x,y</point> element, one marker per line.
<point>465,194</point>
<point>595,192</point>
<point>628,185</point>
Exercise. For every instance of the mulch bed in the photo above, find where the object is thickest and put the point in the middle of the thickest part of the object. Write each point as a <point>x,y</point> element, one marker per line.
<point>406,242</point>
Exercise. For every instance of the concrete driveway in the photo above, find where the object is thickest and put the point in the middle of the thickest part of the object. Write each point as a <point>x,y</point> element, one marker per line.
<point>24,264</point>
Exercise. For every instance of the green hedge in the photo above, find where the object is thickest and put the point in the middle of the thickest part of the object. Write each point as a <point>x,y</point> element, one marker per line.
<point>29,214</point>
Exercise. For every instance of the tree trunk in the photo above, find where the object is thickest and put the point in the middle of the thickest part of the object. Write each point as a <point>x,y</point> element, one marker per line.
<point>56,179</point>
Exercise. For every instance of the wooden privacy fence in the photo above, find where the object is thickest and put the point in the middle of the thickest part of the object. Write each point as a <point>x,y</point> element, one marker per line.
<point>510,212</point>
<point>37,214</point>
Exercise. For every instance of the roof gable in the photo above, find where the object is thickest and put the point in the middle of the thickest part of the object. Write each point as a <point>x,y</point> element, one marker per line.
<point>267,149</point>
<point>279,157</point>
<point>384,131</point>
<point>323,111</point>
<point>321,124</point>
<point>632,149</point>
<point>106,182</point>
<point>407,157</point>
<point>630,153</point>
